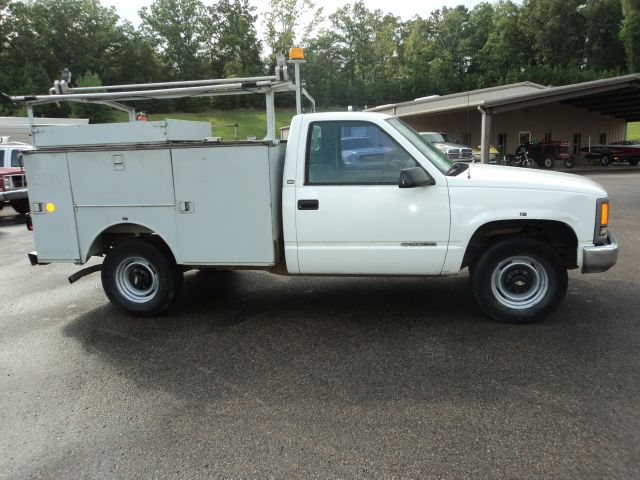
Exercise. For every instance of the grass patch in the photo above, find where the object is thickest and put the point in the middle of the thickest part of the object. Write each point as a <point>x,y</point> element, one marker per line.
<point>251,123</point>
<point>633,131</point>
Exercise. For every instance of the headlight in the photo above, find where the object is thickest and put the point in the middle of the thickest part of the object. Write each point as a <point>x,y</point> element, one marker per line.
<point>7,183</point>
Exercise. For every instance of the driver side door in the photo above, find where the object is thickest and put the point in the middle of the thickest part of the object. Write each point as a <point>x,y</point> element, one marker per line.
<point>351,215</point>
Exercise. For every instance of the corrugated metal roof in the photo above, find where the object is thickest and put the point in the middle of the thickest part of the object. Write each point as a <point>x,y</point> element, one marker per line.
<point>617,96</point>
<point>457,101</point>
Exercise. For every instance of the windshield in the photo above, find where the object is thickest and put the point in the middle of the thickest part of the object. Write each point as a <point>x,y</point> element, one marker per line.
<point>439,159</point>
<point>436,137</point>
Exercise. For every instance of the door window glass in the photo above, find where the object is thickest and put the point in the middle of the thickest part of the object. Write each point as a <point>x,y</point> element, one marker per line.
<point>353,153</point>
<point>1,158</point>
<point>15,158</point>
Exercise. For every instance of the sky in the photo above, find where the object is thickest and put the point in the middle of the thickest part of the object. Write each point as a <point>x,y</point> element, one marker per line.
<point>128,9</point>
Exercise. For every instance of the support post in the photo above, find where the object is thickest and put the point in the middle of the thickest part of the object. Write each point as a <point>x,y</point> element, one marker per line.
<point>296,66</point>
<point>486,134</point>
<point>30,115</point>
<point>271,116</point>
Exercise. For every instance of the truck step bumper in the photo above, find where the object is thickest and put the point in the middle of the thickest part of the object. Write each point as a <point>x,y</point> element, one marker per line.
<point>15,194</point>
<point>600,258</point>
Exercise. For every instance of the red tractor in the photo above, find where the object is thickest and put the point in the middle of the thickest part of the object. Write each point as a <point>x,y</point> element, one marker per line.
<point>546,152</point>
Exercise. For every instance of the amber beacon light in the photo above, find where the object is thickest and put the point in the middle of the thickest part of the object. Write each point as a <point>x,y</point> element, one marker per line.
<point>296,53</point>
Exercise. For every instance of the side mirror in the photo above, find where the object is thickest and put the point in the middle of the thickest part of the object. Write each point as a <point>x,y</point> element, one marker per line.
<point>415,177</point>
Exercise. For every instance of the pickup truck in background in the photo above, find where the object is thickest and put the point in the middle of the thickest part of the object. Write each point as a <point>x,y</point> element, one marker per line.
<point>13,186</point>
<point>454,150</point>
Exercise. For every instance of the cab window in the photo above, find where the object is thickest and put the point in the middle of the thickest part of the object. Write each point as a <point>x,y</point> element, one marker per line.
<point>353,153</point>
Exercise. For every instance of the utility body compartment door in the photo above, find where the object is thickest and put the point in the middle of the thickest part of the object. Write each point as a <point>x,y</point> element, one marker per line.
<point>54,232</point>
<point>224,208</point>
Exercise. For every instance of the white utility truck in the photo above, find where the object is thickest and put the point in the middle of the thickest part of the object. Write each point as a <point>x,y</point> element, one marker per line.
<point>158,198</point>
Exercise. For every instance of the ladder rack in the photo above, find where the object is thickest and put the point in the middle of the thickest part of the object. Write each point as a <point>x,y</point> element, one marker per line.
<point>112,95</point>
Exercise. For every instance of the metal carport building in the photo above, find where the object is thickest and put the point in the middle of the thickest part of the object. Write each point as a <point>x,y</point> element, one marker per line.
<point>582,113</point>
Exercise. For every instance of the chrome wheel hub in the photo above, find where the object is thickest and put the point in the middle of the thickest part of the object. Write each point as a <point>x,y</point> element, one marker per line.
<point>519,282</point>
<point>137,280</point>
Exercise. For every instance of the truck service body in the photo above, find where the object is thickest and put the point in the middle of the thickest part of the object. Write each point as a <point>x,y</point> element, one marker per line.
<point>159,198</point>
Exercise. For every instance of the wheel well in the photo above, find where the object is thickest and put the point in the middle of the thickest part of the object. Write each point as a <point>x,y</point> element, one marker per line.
<point>124,231</point>
<point>557,235</point>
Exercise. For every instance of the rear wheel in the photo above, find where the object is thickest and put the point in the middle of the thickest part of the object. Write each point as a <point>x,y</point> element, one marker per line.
<point>605,160</point>
<point>569,162</point>
<point>20,206</point>
<point>141,277</point>
<point>634,162</point>
<point>519,280</point>
<point>547,162</point>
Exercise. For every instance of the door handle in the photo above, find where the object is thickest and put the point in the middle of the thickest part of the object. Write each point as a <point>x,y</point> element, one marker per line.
<point>308,205</point>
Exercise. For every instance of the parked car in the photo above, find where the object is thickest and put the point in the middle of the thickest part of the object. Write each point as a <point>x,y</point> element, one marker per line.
<point>13,184</point>
<point>453,150</point>
<point>622,151</point>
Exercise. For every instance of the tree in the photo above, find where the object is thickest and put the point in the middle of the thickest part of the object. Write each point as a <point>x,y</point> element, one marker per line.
<point>40,39</point>
<point>286,26</point>
<point>95,113</point>
<point>177,29</point>
<point>630,33</point>
<point>603,46</point>
<point>233,45</point>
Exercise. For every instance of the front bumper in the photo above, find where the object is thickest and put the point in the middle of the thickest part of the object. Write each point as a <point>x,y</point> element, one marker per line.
<point>600,258</point>
<point>15,194</point>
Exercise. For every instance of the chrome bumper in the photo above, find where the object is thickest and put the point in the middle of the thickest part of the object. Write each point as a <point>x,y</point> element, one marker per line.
<point>600,258</point>
<point>15,194</point>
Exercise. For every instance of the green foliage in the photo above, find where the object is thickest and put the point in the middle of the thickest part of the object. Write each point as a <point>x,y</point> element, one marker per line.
<point>360,56</point>
<point>633,131</point>
<point>95,113</point>
<point>285,24</point>
<point>630,33</point>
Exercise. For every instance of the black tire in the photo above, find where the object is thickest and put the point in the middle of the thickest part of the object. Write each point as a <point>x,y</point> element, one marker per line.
<point>569,162</point>
<point>21,206</point>
<point>519,280</point>
<point>547,162</point>
<point>605,161</point>
<point>140,276</point>
<point>634,162</point>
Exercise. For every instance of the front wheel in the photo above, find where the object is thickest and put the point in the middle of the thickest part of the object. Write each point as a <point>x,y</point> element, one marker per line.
<point>519,281</point>
<point>634,162</point>
<point>569,162</point>
<point>141,277</point>
<point>548,162</point>
<point>605,161</point>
